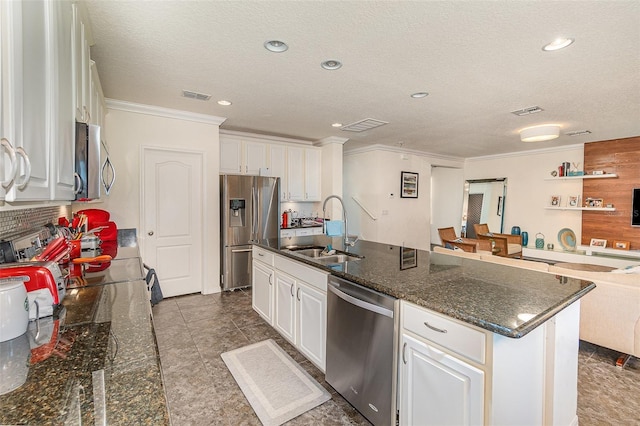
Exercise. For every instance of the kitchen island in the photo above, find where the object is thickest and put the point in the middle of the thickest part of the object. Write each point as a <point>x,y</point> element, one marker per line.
<point>507,342</point>
<point>96,360</point>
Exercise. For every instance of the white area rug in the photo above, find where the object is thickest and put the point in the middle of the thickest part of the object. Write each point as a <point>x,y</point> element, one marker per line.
<point>277,388</point>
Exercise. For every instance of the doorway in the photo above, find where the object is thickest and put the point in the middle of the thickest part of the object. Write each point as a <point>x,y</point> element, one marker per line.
<point>171,222</point>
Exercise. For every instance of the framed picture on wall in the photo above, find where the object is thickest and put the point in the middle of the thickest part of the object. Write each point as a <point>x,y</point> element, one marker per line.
<point>555,201</point>
<point>573,201</point>
<point>408,185</point>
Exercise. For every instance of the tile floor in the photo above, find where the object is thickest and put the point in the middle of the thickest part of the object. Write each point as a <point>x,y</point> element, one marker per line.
<point>192,331</point>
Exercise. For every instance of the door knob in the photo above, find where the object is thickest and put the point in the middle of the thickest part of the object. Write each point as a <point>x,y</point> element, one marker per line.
<point>150,233</point>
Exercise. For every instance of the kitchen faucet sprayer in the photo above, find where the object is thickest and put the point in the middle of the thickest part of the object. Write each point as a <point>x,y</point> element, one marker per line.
<point>347,241</point>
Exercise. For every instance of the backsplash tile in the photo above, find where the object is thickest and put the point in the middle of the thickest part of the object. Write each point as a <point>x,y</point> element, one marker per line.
<point>17,223</point>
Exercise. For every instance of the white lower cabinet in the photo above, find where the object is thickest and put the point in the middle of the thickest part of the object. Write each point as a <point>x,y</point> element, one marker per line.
<point>292,297</point>
<point>437,388</point>
<point>262,293</point>
<point>311,321</point>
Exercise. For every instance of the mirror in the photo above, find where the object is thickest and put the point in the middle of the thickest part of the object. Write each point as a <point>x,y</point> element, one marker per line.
<point>483,202</point>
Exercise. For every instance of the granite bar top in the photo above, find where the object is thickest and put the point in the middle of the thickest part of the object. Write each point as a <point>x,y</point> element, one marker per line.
<point>95,361</point>
<point>502,299</point>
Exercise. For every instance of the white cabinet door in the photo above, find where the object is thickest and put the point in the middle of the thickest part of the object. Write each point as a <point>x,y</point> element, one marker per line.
<point>278,167</point>
<point>312,174</point>
<point>437,388</point>
<point>295,174</point>
<point>63,120</point>
<point>284,316</point>
<point>230,156</point>
<point>255,157</point>
<point>262,290</point>
<point>312,323</point>
<point>33,82</point>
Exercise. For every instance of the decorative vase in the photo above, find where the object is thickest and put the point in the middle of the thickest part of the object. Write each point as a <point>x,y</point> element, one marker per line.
<point>539,240</point>
<point>515,230</point>
<point>525,238</point>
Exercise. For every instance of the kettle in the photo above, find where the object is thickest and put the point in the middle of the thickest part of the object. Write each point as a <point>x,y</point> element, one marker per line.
<point>14,307</point>
<point>539,240</point>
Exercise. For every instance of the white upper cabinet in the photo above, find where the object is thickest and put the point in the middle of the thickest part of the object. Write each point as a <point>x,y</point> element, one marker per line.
<point>81,64</point>
<point>30,75</point>
<point>8,161</point>
<point>312,175</point>
<point>295,174</point>
<point>240,157</point>
<point>63,120</point>
<point>278,167</point>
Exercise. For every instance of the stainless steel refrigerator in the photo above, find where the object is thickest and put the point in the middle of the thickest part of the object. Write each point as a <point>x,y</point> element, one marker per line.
<point>250,211</point>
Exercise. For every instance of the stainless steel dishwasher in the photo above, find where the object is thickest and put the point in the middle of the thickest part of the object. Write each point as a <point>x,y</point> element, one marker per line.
<point>361,361</point>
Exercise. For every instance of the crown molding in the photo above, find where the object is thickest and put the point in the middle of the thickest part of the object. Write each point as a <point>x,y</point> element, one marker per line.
<point>529,152</point>
<point>257,137</point>
<point>379,147</point>
<point>331,140</point>
<point>164,112</point>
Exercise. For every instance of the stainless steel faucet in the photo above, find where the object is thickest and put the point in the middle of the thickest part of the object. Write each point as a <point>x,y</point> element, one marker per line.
<point>347,241</point>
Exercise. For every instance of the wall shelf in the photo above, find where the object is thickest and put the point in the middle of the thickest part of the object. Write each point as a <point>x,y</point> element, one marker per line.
<point>605,176</point>
<point>593,209</point>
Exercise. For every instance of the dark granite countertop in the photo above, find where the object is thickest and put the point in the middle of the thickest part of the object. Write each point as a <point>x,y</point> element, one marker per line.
<point>97,362</point>
<point>502,299</point>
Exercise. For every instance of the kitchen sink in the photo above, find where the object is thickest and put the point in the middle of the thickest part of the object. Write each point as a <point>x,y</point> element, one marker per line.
<point>316,254</point>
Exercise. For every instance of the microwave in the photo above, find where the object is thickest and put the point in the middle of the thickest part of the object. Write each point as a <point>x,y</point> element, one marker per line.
<point>87,162</point>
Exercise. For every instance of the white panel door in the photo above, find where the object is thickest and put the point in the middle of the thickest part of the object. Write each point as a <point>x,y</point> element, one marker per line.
<point>295,174</point>
<point>437,388</point>
<point>262,286</point>
<point>312,323</point>
<point>278,167</point>
<point>284,317</point>
<point>171,223</point>
<point>255,156</point>
<point>230,156</point>
<point>312,175</point>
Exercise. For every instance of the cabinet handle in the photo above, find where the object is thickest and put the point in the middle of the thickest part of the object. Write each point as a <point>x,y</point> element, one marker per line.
<point>108,186</point>
<point>298,294</point>
<point>439,330</point>
<point>27,165</point>
<point>291,289</point>
<point>270,283</point>
<point>77,183</point>
<point>404,352</point>
<point>261,254</point>
<point>246,169</point>
<point>14,163</point>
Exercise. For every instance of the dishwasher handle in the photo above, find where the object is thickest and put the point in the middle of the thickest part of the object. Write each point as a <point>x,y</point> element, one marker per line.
<point>361,303</point>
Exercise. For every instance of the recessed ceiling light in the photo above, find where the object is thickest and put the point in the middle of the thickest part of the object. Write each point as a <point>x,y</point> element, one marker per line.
<point>276,46</point>
<point>418,95</point>
<point>545,132</point>
<point>557,44</point>
<point>331,64</point>
<point>336,125</point>
<point>224,103</point>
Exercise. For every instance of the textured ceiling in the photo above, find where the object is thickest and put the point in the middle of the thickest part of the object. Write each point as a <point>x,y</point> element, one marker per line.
<point>478,60</point>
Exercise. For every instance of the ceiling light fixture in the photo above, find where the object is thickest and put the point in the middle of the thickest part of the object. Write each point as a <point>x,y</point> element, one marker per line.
<point>557,44</point>
<point>336,125</point>
<point>541,133</point>
<point>419,95</point>
<point>331,64</point>
<point>224,103</point>
<point>276,46</point>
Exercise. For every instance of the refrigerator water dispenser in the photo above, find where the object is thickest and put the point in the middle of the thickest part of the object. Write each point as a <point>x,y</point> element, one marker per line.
<point>237,216</point>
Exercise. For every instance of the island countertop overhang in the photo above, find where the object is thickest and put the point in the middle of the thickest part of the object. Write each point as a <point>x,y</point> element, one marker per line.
<point>505,300</point>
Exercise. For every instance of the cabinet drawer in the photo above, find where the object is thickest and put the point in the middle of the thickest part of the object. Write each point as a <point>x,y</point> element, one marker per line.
<point>313,276</point>
<point>458,338</point>
<point>304,232</point>
<point>262,255</point>
<point>287,233</point>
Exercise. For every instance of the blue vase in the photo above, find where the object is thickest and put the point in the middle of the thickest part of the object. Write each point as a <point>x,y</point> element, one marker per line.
<point>515,230</point>
<point>525,238</point>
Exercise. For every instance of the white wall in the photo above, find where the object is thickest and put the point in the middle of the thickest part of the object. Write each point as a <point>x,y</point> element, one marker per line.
<point>528,192</point>
<point>131,126</point>
<point>373,176</point>
<point>447,191</point>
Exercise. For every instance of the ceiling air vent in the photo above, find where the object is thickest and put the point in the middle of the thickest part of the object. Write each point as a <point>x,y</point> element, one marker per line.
<point>195,95</point>
<point>578,133</point>
<point>527,111</point>
<point>362,125</point>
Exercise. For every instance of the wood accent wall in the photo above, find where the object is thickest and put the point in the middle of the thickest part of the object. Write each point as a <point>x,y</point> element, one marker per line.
<point>622,157</point>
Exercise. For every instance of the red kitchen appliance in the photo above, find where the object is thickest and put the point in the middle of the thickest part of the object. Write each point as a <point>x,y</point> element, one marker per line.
<point>42,275</point>
<point>94,216</point>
